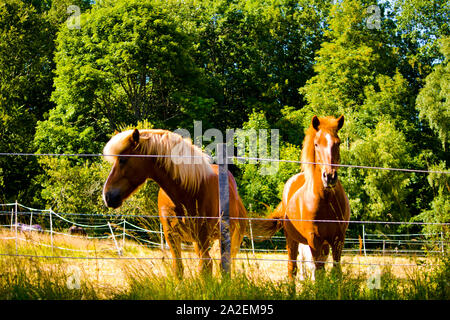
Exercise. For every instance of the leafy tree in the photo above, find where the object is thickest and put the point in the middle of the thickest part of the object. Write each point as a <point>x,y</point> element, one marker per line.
<point>263,191</point>
<point>433,105</point>
<point>127,63</point>
<point>348,61</point>
<point>357,75</point>
<point>25,85</point>
<point>420,24</point>
<point>433,101</point>
<point>379,194</point>
<point>257,53</point>
<point>439,207</point>
<point>27,33</point>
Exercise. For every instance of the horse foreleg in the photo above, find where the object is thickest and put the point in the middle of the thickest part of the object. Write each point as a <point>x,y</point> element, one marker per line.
<point>202,250</point>
<point>307,267</point>
<point>336,251</point>
<point>292,248</point>
<point>174,243</point>
<point>172,235</point>
<point>319,251</point>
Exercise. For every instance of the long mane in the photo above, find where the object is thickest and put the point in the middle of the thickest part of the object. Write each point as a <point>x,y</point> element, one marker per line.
<point>189,170</point>
<point>308,152</point>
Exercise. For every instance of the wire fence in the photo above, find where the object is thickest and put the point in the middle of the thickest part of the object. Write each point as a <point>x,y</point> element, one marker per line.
<point>121,229</point>
<point>118,232</point>
<point>215,159</point>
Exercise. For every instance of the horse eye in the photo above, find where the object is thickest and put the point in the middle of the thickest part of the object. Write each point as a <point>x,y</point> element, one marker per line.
<point>122,160</point>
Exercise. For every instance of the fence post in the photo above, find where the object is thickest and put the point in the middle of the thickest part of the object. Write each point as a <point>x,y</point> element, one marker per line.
<point>51,228</point>
<point>364,241</point>
<point>161,233</point>
<point>15,210</point>
<point>119,252</point>
<point>251,236</point>
<point>224,213</point>
<point>442,243</point>
<point>123,236</point>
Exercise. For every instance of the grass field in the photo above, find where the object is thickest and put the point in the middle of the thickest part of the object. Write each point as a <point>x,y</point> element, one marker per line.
<point>139,277</point>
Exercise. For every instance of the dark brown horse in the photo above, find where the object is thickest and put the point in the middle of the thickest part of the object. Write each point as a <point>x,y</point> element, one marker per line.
<point>188,199</point>
<point>313,195</point>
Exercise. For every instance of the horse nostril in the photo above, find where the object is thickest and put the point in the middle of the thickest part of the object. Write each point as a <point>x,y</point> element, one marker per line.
<point>113,199</point>
<point>332,178</point>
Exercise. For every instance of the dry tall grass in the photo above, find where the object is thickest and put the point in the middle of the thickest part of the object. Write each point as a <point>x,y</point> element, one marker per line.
<point>145,273</point>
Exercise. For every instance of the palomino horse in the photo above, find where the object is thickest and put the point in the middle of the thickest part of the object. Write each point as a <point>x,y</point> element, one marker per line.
<point>188,200</point>
<point>313,195</point>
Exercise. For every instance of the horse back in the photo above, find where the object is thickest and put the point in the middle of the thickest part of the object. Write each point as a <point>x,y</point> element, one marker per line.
<point>206,202</point>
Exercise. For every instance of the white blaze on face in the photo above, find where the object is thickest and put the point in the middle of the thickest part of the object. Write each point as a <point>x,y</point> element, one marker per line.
<point>329,143</point>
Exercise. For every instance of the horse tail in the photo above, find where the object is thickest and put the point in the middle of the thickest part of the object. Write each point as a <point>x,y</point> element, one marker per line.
<point>242,215</point>
<point>265,228</point>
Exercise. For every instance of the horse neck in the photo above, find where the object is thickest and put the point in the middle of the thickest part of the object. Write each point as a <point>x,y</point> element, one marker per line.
<point>314,183</point>
<point>173,187</point>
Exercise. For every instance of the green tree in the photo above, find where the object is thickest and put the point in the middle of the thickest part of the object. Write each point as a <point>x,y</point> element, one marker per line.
<point>128,62</point>
<point>358,75</point>
<point>261,184</point>
<point>257,53</point>
<point>433,101</point>
<point>379,194</point>
<point>433,105</point>
<point>25,86</point>
<point>27,32</point>
<point>349,60</point>
<point>420,23</point>
<point>439,208</point>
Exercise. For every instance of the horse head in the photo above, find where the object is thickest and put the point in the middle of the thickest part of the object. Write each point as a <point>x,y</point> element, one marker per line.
<point>127,173</point>
<point>326,147</point>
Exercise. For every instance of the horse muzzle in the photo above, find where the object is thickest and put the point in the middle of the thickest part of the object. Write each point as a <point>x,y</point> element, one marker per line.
<point>329,179</point>
<point>112,198</point>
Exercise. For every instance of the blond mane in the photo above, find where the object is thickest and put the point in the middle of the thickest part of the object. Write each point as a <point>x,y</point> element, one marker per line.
<point>190,170</point>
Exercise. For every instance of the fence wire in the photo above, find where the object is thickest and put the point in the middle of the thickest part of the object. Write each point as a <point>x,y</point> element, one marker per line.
<point>228,158</point>
<point>132,230</point>
<point>50,213</point>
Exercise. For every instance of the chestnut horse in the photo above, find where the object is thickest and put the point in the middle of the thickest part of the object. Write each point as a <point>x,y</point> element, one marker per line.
<point>188,199</point>
<point>313,195</point>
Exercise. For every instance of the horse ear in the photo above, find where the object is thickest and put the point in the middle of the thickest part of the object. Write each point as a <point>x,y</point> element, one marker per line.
<point>315,123</point>
<point>340,122</point>
<point>135,136</point>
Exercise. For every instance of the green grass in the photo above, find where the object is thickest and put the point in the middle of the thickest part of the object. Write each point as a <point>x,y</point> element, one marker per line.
<point>351,286</point>
<point>23,278</point>
<point>27,278</point>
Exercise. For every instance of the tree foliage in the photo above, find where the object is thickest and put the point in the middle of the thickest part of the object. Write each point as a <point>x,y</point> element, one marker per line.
<point>433,100</point>
<point>25,86</point>
<point>253,64</point>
